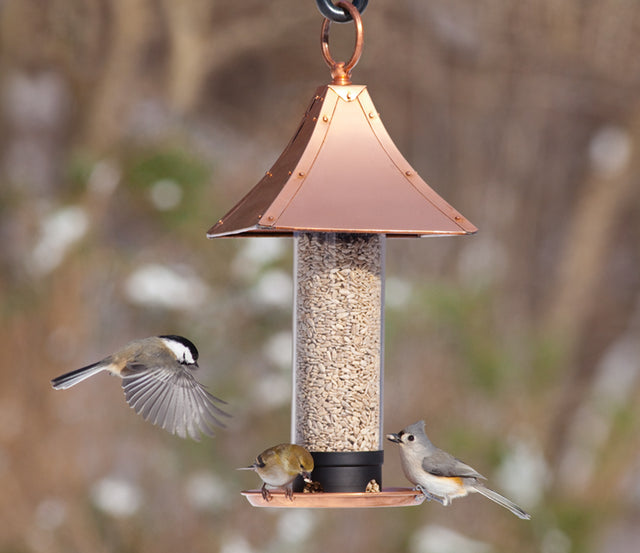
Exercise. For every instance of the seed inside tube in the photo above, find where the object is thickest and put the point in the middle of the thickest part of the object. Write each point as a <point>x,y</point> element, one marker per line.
<point>338,337</point>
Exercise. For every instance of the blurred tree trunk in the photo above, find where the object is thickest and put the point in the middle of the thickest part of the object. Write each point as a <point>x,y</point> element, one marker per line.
<point>189,30</point>
<point>576,307</point>
<point>129,24</point>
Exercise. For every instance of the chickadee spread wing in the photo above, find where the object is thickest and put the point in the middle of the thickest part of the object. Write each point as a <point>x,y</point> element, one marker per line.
<point>173,399</point>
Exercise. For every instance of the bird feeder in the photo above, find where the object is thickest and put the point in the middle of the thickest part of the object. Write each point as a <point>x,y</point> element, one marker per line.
<point>340,187</point>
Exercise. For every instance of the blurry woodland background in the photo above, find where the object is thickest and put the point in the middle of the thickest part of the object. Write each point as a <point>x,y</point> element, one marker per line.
<point>129,126</point>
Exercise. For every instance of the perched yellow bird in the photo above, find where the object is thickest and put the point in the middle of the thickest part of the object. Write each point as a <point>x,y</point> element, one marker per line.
<point>279,465</point>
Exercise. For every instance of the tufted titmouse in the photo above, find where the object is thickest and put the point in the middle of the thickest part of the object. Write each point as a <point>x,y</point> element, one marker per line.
<point>439,475</point>
<point>158,383</point>
<point>279,465</point>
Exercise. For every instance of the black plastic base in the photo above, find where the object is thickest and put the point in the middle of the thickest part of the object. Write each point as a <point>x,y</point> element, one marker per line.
<point>345,471</point>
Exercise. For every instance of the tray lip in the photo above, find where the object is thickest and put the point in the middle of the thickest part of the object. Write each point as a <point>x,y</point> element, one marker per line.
<point>387,497</point>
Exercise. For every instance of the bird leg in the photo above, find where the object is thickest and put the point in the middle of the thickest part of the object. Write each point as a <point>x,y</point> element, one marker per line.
<point>428,495</point>
<point>266,494</point>
<point>288,492</point>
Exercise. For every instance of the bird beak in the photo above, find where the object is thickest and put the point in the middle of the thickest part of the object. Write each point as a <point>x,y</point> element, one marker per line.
<point>393,438</point>
<point>306,476</point>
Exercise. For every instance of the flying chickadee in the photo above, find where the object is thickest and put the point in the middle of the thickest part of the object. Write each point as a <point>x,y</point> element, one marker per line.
<point>158,384</point>
<point>278,466</point>
<point>439,475</point>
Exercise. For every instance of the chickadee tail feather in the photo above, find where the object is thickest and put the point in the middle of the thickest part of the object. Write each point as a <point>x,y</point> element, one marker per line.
<point>69,379</point>
<point>500,500</point>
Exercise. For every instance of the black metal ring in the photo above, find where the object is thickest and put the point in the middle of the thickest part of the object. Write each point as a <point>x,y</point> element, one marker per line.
<point>329,10</point>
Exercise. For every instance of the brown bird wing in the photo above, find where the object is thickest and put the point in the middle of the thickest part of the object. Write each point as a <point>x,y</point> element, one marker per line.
<point>172,399</point>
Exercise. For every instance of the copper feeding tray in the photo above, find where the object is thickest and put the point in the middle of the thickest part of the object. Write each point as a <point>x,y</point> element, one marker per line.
<point>388,497</point>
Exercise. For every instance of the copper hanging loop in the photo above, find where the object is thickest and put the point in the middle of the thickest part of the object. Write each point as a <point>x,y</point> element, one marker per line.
<point>341,71</point>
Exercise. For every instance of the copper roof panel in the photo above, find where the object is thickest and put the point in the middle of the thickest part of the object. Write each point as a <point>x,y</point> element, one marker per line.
<point>341,172</point>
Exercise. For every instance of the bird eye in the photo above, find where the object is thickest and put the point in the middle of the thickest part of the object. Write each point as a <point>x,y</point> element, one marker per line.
<point>411,437</point>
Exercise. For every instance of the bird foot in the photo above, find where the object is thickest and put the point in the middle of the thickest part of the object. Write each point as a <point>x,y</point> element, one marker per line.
<point>288,493</point>
<point>266,494</point>
<point>428,495</point>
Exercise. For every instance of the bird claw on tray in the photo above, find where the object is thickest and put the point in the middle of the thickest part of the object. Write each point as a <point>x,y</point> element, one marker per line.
<point>428,496</point>
<point>266,494</point>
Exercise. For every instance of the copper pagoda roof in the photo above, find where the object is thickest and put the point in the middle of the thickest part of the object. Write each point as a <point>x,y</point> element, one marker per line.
<point>341,172</point>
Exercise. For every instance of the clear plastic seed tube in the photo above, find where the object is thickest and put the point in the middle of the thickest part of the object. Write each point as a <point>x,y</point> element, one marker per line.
<point>338,342</point>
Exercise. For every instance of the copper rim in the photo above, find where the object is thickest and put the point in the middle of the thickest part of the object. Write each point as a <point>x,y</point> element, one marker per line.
<point>341,71</point>
<point>387,497</point>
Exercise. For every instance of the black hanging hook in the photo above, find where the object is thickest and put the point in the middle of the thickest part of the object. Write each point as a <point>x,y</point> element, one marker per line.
<point>334,13</point>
